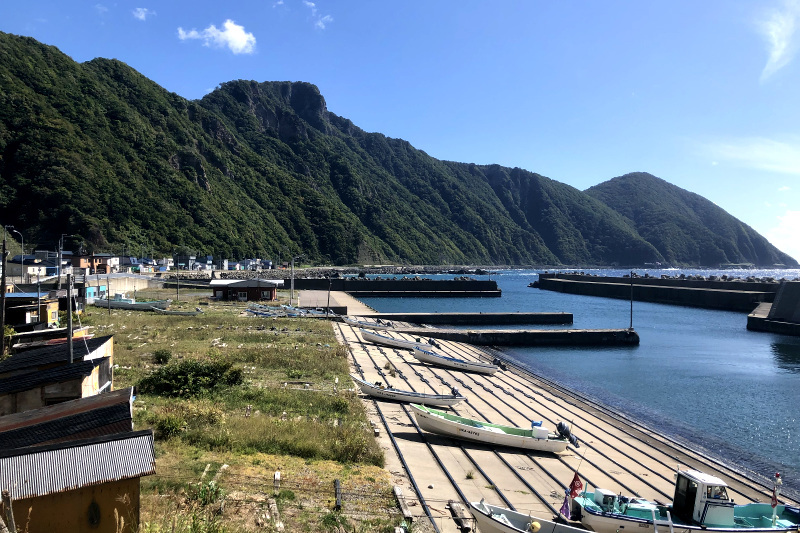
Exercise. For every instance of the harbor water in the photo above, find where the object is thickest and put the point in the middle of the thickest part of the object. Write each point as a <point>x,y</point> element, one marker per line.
<point>697,375</point>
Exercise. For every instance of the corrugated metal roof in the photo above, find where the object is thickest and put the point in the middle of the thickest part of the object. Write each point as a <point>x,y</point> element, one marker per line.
<point>59,374</point>
<point>51,354</point>
<point>69,408</point>
<point>103,414</point>
<point>30,472</point>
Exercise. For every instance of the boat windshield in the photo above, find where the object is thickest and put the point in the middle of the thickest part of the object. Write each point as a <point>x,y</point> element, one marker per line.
<point>716,492</point>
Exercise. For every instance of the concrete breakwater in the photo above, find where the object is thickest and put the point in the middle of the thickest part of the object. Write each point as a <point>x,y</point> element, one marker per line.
<point>530,337</point>
<point>710,294</point>
<point>477,319</point>
<point>403,287</point>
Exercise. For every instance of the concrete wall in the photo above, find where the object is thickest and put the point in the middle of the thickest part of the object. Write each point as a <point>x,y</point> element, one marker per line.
<point>68,512</point>
<point>709,298</point>
<point>367,286</point>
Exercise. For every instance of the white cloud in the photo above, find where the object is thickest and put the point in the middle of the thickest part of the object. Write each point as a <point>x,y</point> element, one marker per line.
<point>778,29</point>
<point>321,20</point>
<point>232,37</point>
<point>101,8</point>
<point>785,235</point>
<point>142,13</point>
<point>759,153</point>
<point>784,188</point>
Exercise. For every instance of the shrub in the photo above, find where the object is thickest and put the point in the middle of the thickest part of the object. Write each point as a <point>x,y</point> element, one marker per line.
<point>162,356</point>
<point>191,378</point>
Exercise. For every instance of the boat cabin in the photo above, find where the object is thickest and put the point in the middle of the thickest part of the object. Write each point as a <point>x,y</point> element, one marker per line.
<point>702,499</point>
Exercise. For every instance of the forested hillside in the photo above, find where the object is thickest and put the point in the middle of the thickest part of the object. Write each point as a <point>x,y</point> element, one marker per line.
<point>264,169</point>
<point>685,227</point>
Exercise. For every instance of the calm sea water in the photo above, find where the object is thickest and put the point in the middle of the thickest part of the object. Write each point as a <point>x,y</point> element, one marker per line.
<point>697,374</point>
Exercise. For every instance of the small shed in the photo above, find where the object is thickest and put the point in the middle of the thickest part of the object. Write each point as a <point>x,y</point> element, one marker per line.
<point>57,355</point>
<point>79,486</point>
<point>248,290</point>
<point>102,414</point>
<point>31,308</point>
<point>39,388</point>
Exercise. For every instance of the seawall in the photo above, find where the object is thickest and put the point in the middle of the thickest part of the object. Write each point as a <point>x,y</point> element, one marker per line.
<point>531,337</point>
<point>724,295</point>
<point>402,287</point>
<point>477,319</point>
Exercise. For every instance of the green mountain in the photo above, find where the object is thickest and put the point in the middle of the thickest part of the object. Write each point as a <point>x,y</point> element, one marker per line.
<point>264,169</point>
<point>685,227</point>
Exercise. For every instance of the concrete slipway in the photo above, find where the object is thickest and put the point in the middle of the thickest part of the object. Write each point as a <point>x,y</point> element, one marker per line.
<point>615,453</point>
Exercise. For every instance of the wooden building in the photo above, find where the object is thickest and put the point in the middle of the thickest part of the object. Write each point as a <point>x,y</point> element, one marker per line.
<point>248,290</point>
<point>80,486</point>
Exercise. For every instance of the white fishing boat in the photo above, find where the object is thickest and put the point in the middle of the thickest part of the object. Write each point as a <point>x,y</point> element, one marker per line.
<point>536,438</point>
<point>494,519</point>
<point>700,503</point>
<point>377,338</point>
<point>390,393</point>
<point>427,356</point>
<point>378,324</point>
<point>121,302</point>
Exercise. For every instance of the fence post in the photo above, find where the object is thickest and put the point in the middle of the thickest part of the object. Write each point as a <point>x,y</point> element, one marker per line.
<point>337,487</point>
<point>12,527</point>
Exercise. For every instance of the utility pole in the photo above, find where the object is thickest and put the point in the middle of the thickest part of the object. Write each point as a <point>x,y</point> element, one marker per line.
<point>3,298</point>
<point>69,315</point>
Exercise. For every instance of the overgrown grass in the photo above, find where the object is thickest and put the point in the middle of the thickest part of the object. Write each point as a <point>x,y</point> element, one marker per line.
<point>217,388</point>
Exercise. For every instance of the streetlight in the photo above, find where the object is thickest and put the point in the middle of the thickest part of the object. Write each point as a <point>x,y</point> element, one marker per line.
<point>22,265</point>
<point>291,290</point>
<point>61,253</point>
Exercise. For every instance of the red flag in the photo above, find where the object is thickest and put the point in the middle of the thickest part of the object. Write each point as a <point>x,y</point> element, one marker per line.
<point>774,498</point>
<point>575,487</point>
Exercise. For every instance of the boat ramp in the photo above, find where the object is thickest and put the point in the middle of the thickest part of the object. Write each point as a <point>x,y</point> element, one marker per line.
<point>615,452</point>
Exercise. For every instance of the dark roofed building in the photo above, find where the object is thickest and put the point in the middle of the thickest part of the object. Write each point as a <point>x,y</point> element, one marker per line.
<point>102,414</point>
<point>76,486</point>
<point>58,354</point>
<point>34,389</point>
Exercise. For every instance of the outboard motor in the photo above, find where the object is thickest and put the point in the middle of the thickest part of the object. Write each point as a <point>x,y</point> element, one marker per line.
<point>563,430</point>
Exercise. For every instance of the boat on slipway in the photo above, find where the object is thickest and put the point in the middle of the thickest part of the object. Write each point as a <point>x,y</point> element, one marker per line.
<point>536,438</point>
<point>121,302</point>
<point>390,393</point>
<point>427,356</point>
<point>494,519</point>
<point>378,324</point>
<point>377,338</point>
<point>700,504</point>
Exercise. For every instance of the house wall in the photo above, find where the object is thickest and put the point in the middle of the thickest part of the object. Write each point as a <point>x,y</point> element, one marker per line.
<point>116,510</point>
<point>50,394</point>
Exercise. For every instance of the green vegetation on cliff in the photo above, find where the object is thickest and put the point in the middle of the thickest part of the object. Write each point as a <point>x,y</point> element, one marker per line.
<point>264,169</point>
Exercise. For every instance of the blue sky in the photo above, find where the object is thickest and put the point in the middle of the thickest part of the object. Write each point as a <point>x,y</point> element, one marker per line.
<point>701,94</point>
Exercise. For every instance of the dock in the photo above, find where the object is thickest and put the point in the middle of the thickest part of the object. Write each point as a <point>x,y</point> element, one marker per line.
<point>615,453</point>
<point>530,337</point>
<point>478,319</point>
<point>407,287</point>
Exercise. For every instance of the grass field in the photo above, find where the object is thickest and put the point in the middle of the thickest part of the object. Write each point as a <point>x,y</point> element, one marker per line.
<point>232,399</point>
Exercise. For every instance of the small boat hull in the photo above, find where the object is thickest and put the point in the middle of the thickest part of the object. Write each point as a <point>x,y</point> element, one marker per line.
<point>439,400</point>
<point>389,341</point>
<point>131,305</point>
<point>368,325</point>
<point>427,356</point>
<point>494,519</point>
<point>492,434</point>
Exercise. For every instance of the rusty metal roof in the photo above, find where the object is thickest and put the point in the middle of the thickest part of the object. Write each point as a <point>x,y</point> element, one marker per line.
<point>102,414</point>
<point>58,353</point>
<point>42,470</point>
<point>59,374</point>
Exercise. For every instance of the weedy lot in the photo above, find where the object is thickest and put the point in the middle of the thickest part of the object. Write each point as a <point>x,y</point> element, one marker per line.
<point>233,399</point>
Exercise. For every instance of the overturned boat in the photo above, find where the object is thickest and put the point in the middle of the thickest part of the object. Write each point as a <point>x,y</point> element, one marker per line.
<point>427,356</point>
<point>378,390</point>
<point>377,338</point>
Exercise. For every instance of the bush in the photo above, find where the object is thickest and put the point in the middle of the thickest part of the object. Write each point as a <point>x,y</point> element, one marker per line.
<point>191,378</point>
<point>162,356</point>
